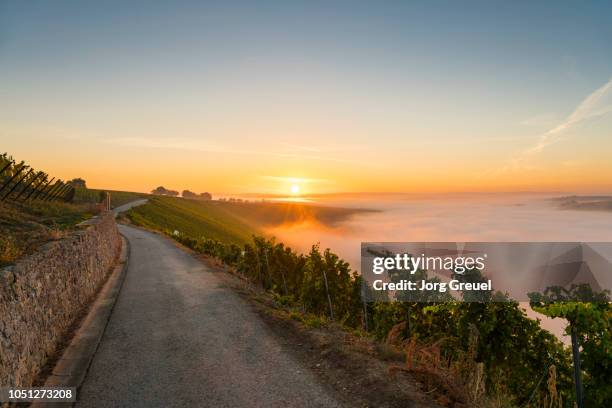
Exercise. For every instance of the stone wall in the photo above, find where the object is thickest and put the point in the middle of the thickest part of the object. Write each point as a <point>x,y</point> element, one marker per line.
<point>43,294</point>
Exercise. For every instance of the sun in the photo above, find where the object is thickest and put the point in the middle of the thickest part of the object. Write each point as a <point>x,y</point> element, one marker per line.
<point>295,189</point>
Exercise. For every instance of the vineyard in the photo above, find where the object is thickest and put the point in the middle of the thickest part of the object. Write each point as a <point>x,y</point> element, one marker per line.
<point>36,208</point>
<point>193,218</point>
<point>20,182</point>
<point>478,353</point>
<point>88,195</point>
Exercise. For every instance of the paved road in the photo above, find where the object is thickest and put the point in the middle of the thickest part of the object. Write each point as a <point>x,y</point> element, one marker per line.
<point>178,338</point>
<point>125,207</point>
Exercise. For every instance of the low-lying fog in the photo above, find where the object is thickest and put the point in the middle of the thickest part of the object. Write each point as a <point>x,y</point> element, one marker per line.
<point>465,217</point>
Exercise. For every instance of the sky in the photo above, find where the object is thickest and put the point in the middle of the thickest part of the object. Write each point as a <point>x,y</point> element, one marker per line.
<point>261,97</point>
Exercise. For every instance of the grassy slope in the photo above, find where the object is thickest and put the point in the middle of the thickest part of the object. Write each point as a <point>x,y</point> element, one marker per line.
<point>195,218</point>
<point>231,222</point>
<point>88,195</point>
<point>25,226</point>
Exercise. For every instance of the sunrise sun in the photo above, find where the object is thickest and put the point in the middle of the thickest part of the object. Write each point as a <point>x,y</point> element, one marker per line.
<point>295,189</point>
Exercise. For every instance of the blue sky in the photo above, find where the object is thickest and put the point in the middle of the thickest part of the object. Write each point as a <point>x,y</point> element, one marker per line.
<point>318,85</point>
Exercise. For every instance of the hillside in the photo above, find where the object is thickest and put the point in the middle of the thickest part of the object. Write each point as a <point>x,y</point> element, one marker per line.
<point>266,214</point>
<point>230,222</point>
<point>193,218</point>
<point>585,203</point>
<point>90,195</point>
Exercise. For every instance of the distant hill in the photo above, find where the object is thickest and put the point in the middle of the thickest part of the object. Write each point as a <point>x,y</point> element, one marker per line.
<point>587,203</point>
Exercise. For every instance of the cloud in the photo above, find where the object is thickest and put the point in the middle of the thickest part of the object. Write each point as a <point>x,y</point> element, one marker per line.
<point>543,119</point>
<point>179,144</point>
<point>597,104</point>
<point>290,151</point>
<point>297,179</point>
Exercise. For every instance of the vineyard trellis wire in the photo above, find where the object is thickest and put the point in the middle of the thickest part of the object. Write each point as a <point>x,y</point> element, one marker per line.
<point>21,182</point>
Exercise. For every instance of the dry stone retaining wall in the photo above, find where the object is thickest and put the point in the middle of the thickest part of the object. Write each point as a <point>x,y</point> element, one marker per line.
<point>42,295</point>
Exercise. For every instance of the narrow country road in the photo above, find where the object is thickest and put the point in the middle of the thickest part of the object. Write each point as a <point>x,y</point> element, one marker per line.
<point>131,204</point>
<point>178,338</point>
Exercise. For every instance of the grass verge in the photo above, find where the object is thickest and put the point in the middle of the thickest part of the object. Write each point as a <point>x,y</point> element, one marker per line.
<point>26,226</point>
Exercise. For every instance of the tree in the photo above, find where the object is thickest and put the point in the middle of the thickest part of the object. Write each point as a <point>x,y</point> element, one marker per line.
<point>163,191</point>
<point>77,183</point>
<point>189,194</point>
<point>205,196</point>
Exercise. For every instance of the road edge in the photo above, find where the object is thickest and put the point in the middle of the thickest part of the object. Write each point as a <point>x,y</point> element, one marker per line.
<point>72,367</point>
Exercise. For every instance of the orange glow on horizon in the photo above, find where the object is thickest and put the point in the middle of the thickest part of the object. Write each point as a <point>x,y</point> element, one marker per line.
<point>138,168</point>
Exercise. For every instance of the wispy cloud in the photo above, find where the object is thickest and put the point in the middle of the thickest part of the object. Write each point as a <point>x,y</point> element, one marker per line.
<point>297,179</point>
<point>290,151</point>
<point>543,119</point>
<point>597,104</point>
<point>180,144</point>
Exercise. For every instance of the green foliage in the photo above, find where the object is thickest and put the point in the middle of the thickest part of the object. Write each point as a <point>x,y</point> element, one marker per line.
<point>517,356</point>
<point>192,218</point>
<point>315,321</point>
<point>513,349</point>
<point>589,314</point>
